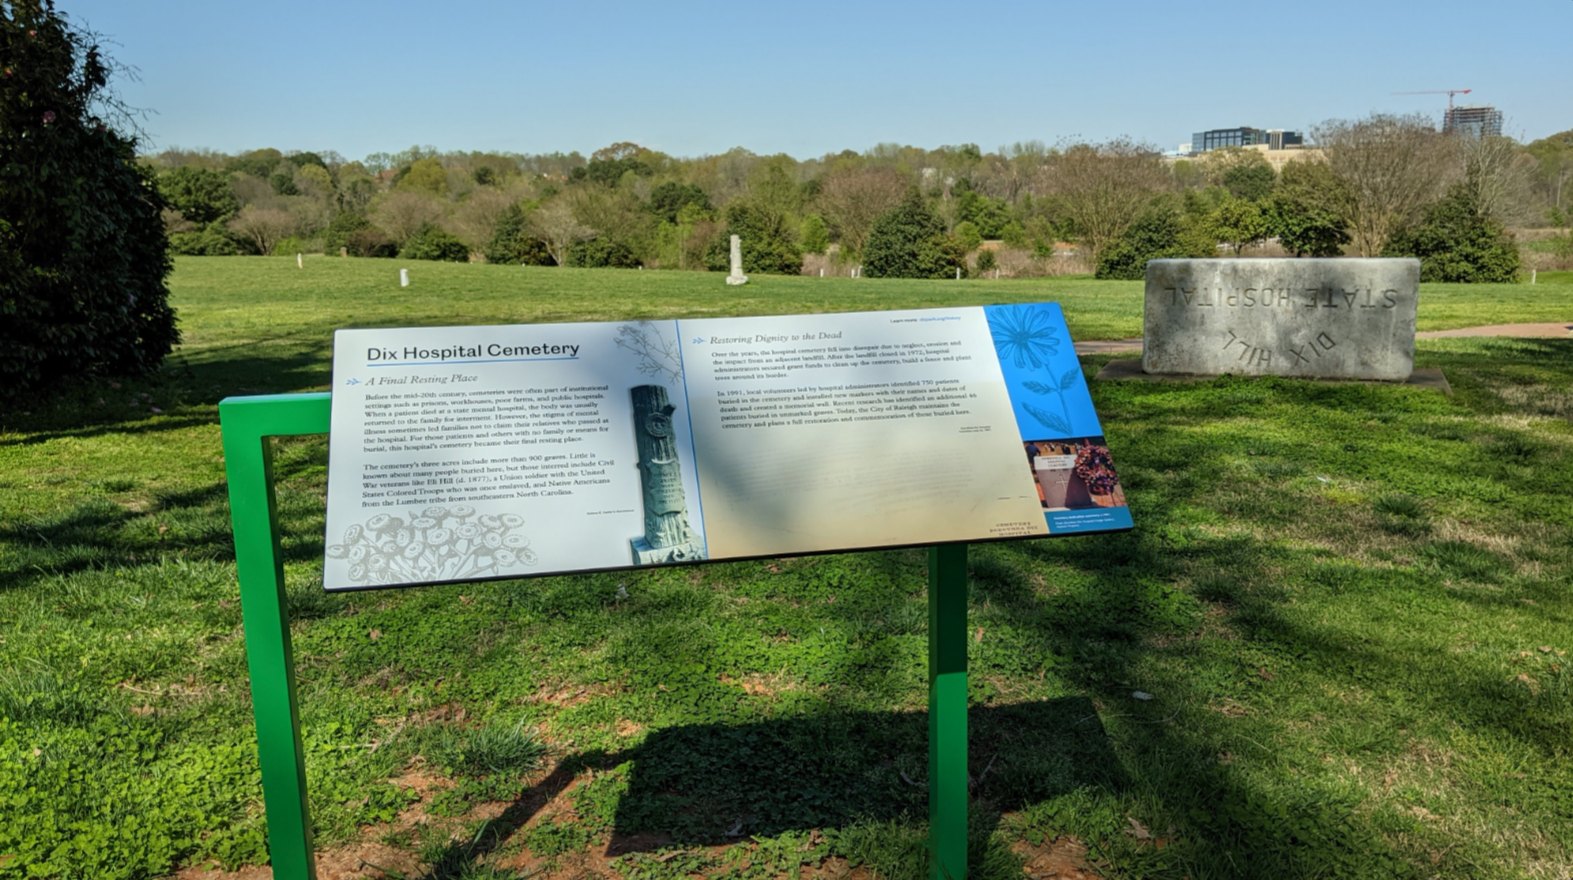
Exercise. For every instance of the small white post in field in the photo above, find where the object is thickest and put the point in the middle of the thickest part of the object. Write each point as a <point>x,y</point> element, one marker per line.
<point>1532,273</point>
<point>958,273</point>
<point>821,272</point>
<point>404,278</point>
<point>299,263</point>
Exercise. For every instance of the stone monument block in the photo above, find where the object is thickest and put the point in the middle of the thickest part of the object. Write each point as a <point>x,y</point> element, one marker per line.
<point>1323,318</point>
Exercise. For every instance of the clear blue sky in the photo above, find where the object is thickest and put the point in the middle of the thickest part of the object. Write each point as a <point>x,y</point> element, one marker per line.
<point>809,77</point>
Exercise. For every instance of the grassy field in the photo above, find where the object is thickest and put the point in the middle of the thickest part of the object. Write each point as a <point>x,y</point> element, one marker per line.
<point>1350,603</point>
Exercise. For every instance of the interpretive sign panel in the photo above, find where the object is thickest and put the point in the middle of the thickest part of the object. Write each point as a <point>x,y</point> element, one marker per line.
<point>466,453</point>
<point>1326,318</point>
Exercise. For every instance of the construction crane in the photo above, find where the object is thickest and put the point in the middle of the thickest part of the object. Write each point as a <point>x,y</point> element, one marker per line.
<point>1448,92</point>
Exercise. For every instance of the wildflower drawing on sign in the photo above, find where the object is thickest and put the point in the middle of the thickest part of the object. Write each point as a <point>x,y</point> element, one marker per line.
<point>658,358</point>
<point>1025,336</point>
<point>440,544</point>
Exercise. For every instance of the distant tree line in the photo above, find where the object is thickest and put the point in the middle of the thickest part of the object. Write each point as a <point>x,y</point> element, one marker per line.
<point>1381,185</point>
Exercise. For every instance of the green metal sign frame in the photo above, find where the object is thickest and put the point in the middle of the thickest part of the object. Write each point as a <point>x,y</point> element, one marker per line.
<point>250,423</point>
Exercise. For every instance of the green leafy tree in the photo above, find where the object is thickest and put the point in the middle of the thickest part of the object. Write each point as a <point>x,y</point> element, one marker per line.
<point>1304,211</point>
<point>1251,181</point>
<point>670,198</point>
<point>909,241</point>
<point>967,233</point>
<point>814,234</point>
<point>987,261</point>
<point>514,243</point>
<point>1457,241</point>
<point>83,252</point>
<point>1015,236</point>
<point>432,243</point>
<point>200,195</point>
<point>1154,236</point>
<point>1164,231</point>
<point>255,163</point>
<point>339,230</point>
<point>989,215</point>
<point>283,184</point>
<point>424,176</point>
<point>767,245</point>
<point>1239,223</point>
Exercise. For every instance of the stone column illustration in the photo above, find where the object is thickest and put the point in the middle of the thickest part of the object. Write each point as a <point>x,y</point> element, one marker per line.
<point>737,276</point>
<point>668,537</point>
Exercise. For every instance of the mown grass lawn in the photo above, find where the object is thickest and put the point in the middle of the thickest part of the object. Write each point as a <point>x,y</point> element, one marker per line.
<point>1350,604</point>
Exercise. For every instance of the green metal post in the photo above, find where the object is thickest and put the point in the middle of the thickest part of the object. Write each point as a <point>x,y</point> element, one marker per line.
<point>249,423</point>
<point>948,712</point>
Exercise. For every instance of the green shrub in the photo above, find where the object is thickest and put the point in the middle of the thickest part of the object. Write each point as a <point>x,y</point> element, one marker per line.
<point>371,243</point>
<point>512,243</point>
<point>1014,235</point>
<point>1456,242</point>
<point>214,241</point>
<point>967,233</point>
<point>432,243</point>
<point>813,234</point>
<point>909,241</point>
<point>1156,235</point>
<point>601,253</point>
<point>338,233</point>
<point>83,251</point>
<point>987,261</point>
<point>488,750</point>
<point>289,247</point>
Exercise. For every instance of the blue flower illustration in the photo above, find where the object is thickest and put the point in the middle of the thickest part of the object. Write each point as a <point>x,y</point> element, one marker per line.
<point>1025,335</point>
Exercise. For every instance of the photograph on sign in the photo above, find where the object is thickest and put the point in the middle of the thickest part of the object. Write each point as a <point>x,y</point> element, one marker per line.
<point>471,453</point>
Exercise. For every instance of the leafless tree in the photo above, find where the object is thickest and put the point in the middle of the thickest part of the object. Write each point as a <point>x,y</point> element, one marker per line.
<point>852,200</point>
<point>402,214</point>
<point>475,218</point>
<point>555,224</point>
<point>1497,173</point>
<point>1103,188</point>
<point>1391,167</point>
<point>264,227</point>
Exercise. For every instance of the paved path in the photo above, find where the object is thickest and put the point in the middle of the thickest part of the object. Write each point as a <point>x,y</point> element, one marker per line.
<point>1556,330</point>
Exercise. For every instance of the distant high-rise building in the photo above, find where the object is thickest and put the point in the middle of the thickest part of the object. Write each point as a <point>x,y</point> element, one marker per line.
<point>1482,121</point>
<point>1278,139</point>
<point>1245,136</point>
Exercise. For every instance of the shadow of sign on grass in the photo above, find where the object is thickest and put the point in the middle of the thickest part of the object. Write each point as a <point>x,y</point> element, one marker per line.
<point>704,785</point>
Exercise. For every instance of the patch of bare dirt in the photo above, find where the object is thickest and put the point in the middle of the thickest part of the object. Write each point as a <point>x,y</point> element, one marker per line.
<point>1064,858</point>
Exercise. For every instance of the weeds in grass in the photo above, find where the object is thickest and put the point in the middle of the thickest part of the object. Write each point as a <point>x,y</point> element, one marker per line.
<point>34,694</point>
<point>492,749</point>
<point>1401,514</point>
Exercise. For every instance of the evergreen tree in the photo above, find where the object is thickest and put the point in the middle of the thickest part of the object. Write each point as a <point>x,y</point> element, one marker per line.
<point>83,253</point>
<point>1456,241</point>
<point>909,241</point>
